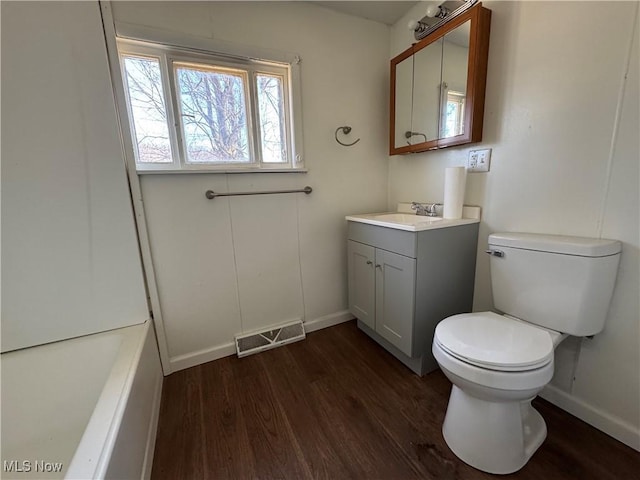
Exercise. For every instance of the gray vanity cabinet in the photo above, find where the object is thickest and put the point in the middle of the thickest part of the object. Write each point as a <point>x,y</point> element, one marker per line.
<point>401,284</point>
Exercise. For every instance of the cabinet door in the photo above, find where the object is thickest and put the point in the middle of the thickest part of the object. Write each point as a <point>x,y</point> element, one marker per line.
<point>395,287</point>
<point>361,282</point>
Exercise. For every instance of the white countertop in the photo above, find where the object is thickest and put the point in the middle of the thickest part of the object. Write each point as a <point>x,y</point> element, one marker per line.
<point>406,219</point>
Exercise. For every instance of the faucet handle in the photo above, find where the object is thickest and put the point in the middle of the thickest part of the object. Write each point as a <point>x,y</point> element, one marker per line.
<point>420,208</point>
<point>431,209</point>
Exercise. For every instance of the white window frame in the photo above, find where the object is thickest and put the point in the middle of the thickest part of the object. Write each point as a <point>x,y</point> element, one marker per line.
<point>168,55</point>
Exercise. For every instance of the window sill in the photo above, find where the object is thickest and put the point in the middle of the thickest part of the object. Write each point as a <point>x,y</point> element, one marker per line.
<point>233,171</point>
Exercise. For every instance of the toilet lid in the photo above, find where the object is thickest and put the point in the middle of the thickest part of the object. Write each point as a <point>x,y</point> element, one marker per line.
<point>495,342</point>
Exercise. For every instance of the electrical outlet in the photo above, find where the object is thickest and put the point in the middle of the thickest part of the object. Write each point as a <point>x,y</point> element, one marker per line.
<point>479,160</point>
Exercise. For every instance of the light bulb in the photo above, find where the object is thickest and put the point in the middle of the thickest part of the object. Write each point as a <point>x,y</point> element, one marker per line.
<point>413,24</point>
<point>433,10</point>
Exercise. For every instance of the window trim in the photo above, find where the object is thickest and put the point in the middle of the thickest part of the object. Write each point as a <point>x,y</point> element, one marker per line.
<point>190,50</point>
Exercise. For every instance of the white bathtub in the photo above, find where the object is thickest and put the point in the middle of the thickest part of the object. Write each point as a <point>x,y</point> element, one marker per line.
<point>83,408</point>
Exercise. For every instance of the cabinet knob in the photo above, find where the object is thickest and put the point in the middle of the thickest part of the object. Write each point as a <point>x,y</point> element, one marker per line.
<point>369,262</point>
<point>378,266</point>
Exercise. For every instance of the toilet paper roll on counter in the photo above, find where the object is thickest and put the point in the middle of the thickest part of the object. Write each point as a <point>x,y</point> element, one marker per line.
<point>455,179</point>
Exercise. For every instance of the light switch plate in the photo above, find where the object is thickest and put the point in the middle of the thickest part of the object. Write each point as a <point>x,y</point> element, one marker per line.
<point>479,160</point>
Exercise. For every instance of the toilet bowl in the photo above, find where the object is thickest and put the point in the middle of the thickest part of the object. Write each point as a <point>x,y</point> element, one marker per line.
<point>497,365</point>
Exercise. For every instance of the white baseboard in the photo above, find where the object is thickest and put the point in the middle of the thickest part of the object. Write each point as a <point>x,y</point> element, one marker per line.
<point>202,356</point>
<point>328,321</point>
<point>603,421</point>
<point>226,349</point>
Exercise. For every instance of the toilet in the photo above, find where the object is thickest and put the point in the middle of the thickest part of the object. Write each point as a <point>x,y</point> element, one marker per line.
<point>548,287</point>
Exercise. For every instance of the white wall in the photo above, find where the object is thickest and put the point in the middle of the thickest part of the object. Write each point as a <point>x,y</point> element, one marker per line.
<point>237,264</point>
<point>607,375</point>
<point>70,256</point>
<point>553,90</point>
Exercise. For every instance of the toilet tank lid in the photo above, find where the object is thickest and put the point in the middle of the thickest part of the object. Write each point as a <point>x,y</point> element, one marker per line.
<point>581,246</point>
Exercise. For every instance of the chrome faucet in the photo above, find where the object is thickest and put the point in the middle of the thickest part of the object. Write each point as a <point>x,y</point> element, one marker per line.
<point>425,209</point>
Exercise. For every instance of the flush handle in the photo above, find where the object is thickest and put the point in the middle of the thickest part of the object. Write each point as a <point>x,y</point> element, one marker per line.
<point>495,253</point>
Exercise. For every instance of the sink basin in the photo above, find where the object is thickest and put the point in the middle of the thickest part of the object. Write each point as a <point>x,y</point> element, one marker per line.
<point>406,218</point>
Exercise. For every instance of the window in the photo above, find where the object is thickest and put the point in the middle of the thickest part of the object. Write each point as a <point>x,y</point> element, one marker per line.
<point>194,111</point>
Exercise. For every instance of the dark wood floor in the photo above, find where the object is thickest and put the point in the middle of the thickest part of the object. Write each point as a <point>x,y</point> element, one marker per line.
<point>335,406</point>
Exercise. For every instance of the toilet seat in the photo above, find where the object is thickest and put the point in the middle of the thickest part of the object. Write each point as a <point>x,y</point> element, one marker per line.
<point>495,342</point>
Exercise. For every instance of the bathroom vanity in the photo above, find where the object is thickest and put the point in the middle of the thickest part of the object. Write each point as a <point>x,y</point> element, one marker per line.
<point>406,273</point>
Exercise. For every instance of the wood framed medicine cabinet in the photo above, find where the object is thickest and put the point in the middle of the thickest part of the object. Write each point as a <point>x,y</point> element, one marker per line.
<point>438,86</point>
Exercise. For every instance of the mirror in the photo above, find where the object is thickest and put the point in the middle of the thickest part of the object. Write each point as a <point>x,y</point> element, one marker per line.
<point>403,101</point>
<point>453,86</point>
<point>438,84</point>
<point>426,93</point>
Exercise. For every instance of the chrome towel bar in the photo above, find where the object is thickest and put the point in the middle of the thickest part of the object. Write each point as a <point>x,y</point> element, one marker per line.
<point>210,194</point>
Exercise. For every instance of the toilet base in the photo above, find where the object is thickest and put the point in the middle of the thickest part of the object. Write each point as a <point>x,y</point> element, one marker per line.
<point>495,437</point>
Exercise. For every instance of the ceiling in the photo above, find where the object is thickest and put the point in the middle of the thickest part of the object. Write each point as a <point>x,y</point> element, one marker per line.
<point>388,12</point>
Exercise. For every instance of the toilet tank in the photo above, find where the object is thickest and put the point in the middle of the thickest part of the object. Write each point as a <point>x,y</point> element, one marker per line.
<point>558,282</point>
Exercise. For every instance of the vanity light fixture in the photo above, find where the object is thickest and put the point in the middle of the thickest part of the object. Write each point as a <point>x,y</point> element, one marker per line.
<point>417,26</point>
<point>437,11</point>
<point>437,14</point>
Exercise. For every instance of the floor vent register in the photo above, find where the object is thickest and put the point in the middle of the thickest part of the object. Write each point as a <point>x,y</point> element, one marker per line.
<point>250,343</point>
